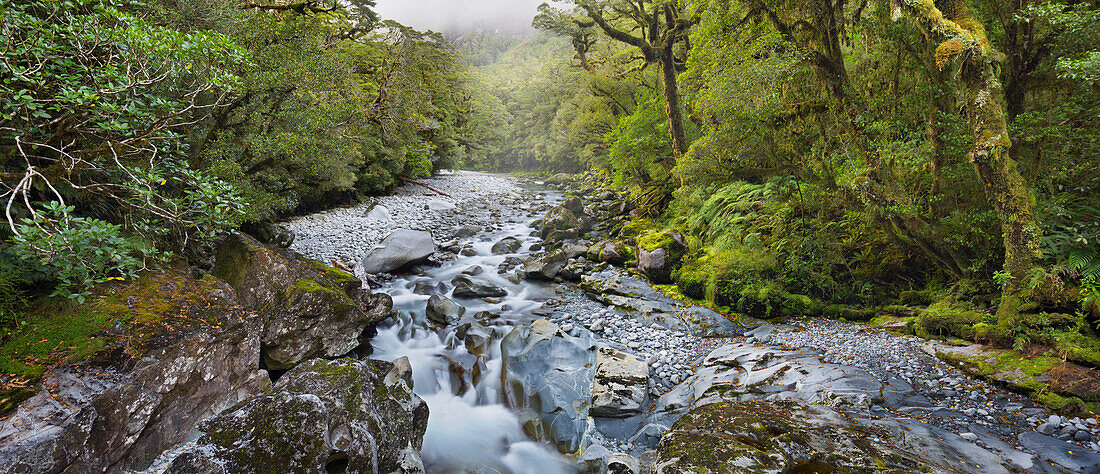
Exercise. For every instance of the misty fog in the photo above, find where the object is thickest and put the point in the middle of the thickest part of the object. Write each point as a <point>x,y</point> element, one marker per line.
<point>446,15</point>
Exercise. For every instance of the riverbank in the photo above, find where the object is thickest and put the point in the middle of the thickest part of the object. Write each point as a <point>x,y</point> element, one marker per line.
<point>930,392</point>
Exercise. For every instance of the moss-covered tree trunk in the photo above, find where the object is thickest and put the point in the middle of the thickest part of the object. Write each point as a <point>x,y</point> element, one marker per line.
<point>672,103</point>
<point>962,39</point>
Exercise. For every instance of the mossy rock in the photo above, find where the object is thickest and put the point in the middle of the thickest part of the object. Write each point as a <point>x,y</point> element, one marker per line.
<point>660,254</point>
<point>117,325</point>
<point>559,224</point>
<point>901,325</point>
<point>946,320</point>
<point>309,309</point>
<point>361,414</point>
<point>1043,375</point>
<point>755,436</point>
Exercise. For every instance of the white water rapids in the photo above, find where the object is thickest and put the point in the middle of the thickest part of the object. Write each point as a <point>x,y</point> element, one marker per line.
<point>469,429</point>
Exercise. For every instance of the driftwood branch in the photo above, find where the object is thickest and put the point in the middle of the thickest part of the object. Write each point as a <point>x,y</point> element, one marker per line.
<point>413,181</point>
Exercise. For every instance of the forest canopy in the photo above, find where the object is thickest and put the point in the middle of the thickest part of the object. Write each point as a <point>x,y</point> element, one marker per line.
<point>135,132</point>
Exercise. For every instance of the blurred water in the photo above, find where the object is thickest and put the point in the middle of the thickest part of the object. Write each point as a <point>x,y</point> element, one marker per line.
<point>469,430</point>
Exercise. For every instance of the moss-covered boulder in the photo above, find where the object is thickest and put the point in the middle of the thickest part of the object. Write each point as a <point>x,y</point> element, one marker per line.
<point>660,254</point>
<point>772,437</point>
<point>342,415</point>
<point>559,224</point>
<point>1044,375</point>
<point>610,252</point>
<point>308,309</point>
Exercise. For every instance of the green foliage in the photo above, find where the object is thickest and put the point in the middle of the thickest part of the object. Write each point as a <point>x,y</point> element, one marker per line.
<point>640,147</point>
<point>75,252</point>
<point>95,107</point>
<point>13,299</point>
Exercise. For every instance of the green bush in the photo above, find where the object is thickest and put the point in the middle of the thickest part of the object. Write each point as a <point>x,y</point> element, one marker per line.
<point>75,252</point>
<point>12,298</point>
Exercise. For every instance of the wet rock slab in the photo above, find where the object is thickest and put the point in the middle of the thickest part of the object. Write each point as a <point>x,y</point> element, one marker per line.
<point>547,378</point>
<point>322,415</point>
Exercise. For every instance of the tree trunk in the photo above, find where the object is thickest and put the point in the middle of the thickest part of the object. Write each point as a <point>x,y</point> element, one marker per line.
<point>672,104</point>
<point>1005,188</point>
<point>1007,191</point>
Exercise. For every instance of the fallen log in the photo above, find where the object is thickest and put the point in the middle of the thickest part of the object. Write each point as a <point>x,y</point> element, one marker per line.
<point>413,181</point>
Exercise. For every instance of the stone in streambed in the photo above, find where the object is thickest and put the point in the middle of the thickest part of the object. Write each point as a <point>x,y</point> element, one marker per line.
<point>466,287</point>
<point>620,387</point>
<point>559,224</point>
<point>468,230</point>
<point>443,310</point>
<point>506,245</point>
<point>622,463</point>
<point>402,247</point>
<point>545,267</point>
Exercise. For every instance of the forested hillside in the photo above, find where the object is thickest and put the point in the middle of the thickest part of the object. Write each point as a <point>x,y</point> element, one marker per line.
<point>135,132</point>
<point>834,157</point>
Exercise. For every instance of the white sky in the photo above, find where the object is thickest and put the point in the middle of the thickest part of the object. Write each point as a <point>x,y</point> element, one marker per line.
<point>440,15</point>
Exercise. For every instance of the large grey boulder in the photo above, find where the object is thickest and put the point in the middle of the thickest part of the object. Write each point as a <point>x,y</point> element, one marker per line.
<point>547,377</point>
<point>348,415</point>
<point>402,247</point>
<point>620,387</point>
<point>120,417</point>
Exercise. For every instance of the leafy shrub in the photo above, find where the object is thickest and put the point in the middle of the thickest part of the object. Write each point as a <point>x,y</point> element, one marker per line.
<point>76,252</point>
<point>12,298</point>
<point>417,165</point>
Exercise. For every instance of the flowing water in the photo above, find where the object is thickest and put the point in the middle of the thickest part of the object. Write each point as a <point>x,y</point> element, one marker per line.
<point>469,428</point>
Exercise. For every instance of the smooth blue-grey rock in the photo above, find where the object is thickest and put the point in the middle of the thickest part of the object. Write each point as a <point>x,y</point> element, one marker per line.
<point>443,310</point>
<point>400,248</point>
<point>620,387</point>
<point>1067,456</point>
<point>706,322</point>
<point>546,377</point>
<point>594,460</point>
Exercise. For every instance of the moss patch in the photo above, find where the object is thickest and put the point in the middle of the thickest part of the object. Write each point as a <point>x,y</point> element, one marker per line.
<point>1040,373</point>
<point>770,437</point>
<point>946,320</point>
